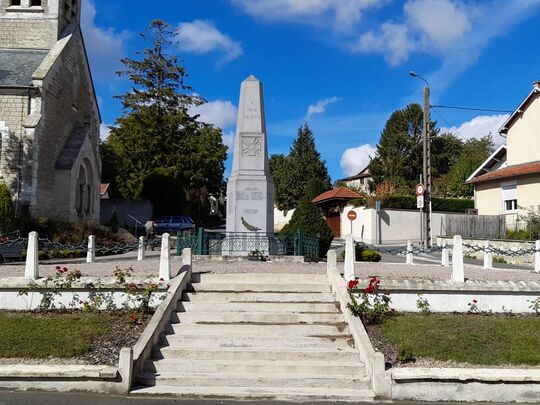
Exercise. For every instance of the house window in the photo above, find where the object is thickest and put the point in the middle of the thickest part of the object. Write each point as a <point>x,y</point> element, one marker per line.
<point>15,2</point>
<point>509,196</point>
<point>35,3</point>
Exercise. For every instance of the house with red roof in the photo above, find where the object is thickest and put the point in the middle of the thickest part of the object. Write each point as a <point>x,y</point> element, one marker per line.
<point>508,182</point>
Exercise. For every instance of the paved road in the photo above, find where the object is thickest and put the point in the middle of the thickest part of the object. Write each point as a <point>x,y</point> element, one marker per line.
<point>42,398</point>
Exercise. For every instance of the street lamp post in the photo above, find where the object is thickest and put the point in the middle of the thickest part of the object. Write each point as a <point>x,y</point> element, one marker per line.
<point>426,162</point>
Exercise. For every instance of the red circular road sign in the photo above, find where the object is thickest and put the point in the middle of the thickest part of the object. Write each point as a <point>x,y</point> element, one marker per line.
<point>351,215</point>
<point>420,189</point>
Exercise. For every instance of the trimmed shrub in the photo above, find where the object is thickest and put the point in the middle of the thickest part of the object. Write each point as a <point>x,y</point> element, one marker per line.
<point>308,217</point>
<point>407,202</point>
<point>363,254</point>
<point>113,224</point>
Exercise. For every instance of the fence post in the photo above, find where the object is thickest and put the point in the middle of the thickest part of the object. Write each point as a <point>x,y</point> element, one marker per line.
<point>458,275</point>
<point>299,243</point>
<point>31,270</point>
<point>349,258</point>
<point>200,238</point>
<point>409,256</point>
<point>91,253</point>
<point>187,259</point>
<point>445,260</point>
<point>331,260</point>
<point>164,261</point>
<point>488,256</point>
<point>140,249</point>
<point>178,236</point>
<point>537,257</point>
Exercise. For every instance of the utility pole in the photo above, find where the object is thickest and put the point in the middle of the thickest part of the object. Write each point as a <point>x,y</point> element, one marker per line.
<point>427,169</point>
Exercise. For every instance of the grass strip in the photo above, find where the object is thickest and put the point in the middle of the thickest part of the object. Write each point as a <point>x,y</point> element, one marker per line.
<point>473,339</point>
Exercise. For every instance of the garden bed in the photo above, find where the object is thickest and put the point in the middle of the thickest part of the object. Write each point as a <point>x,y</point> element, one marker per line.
<point>68,337</point>
<point>457,340</point>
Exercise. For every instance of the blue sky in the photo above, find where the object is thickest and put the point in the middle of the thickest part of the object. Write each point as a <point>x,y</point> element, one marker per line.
<point>342,65</point>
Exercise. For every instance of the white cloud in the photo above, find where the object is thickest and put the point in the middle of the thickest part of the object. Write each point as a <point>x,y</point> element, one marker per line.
<point>228,140</point>
<point>320,107</point>
<point>355,159</point>
<point>105,45</point>
<point>203,37</point>
<point>104,131</point>
<point>455,31</point>
<point>480,126</point>
<point>219,113</point>
<point>392,41</point>
<point>342,14</point>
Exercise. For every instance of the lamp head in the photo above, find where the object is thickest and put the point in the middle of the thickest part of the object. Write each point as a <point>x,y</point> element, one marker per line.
<point>413,73</point>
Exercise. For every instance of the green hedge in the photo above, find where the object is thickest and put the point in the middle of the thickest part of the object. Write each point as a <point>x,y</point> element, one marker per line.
<point>439,204</point>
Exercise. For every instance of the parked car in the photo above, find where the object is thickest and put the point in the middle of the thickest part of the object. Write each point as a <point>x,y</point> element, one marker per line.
<point>173,224</point>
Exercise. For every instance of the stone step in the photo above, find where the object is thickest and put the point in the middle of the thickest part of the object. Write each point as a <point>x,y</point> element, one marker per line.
<point>300,394</point>
<point>251,380</point>
<point>187,318</point>
<point>287,307</point>
<point>269,330</point>
<point>261,278</point>
<point>349,368</point>
<point>220,341</point>
<point>265,287</point>
<point>304,297</point>
<point>250,353</point>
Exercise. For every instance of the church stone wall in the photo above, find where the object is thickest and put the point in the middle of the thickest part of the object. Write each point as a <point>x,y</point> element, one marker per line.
<point>67,103</point>
<point>13,109</point>
<point>28,33</point>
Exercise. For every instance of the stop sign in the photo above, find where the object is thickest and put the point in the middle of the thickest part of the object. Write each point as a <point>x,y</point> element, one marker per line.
<point>351,215</point>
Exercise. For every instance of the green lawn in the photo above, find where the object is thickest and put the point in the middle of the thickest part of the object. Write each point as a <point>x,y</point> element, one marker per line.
<point>474,339</point>
<point>26,335</point>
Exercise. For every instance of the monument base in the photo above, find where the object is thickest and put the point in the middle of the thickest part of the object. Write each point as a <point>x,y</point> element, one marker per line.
<point>246,244</point>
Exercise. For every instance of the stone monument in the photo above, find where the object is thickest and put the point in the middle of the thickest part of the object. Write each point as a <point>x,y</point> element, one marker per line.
<point>250,190</point>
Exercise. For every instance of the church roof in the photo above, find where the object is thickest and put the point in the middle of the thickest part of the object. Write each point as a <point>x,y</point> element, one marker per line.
<point>71,149</point>
<point>18,65</point>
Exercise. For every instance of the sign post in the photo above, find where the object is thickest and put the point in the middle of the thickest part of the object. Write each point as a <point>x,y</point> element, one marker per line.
<point>352,216</point>
<point>420,190</point>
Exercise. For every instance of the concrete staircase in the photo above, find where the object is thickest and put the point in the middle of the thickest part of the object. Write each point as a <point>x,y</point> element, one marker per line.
<point>254,337</point>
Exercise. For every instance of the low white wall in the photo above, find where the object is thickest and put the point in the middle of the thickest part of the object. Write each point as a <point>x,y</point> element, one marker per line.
<point>388,226</point>
<point>281,218</point>
<point>467,385</point>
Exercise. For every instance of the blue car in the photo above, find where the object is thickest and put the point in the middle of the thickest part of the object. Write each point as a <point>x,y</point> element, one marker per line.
<point>173,224</point>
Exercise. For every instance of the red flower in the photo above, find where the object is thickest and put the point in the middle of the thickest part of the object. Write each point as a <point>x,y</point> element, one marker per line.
<point>161,279</point>
<point>65,269</point>
<point>132,317</point>
<point>352,284</point>
<point>370,288</point>
<point>58,267</point>
<point>474,301</point>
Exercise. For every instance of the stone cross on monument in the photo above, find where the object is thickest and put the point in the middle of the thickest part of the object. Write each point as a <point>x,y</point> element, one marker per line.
<point>250,190</point>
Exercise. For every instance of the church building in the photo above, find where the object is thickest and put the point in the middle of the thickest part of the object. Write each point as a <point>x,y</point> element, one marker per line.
<point>49,116</point>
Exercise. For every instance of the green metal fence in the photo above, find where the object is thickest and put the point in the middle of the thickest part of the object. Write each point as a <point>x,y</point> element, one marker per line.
<point>243,243</point>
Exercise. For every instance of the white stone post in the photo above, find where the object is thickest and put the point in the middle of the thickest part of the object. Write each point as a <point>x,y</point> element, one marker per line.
<point>91,253</point>
<point>445,259</point>
<point>125,368</point>
<point>458,274</point>
<point>140,249</point>
<point>537,257</point>
<point>409,255</point>
<point>164,262</point>
<point>488,256</point>
<point>187,258</point>
<point>349,258</point>
<point>331,260</point>
<point>31,270</point>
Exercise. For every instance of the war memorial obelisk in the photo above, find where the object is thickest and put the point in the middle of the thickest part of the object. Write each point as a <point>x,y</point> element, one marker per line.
<point>250,190</point>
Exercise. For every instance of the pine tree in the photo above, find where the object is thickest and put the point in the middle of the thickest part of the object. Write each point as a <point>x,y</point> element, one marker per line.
<point>292,173</point>
<point>156,131</point>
